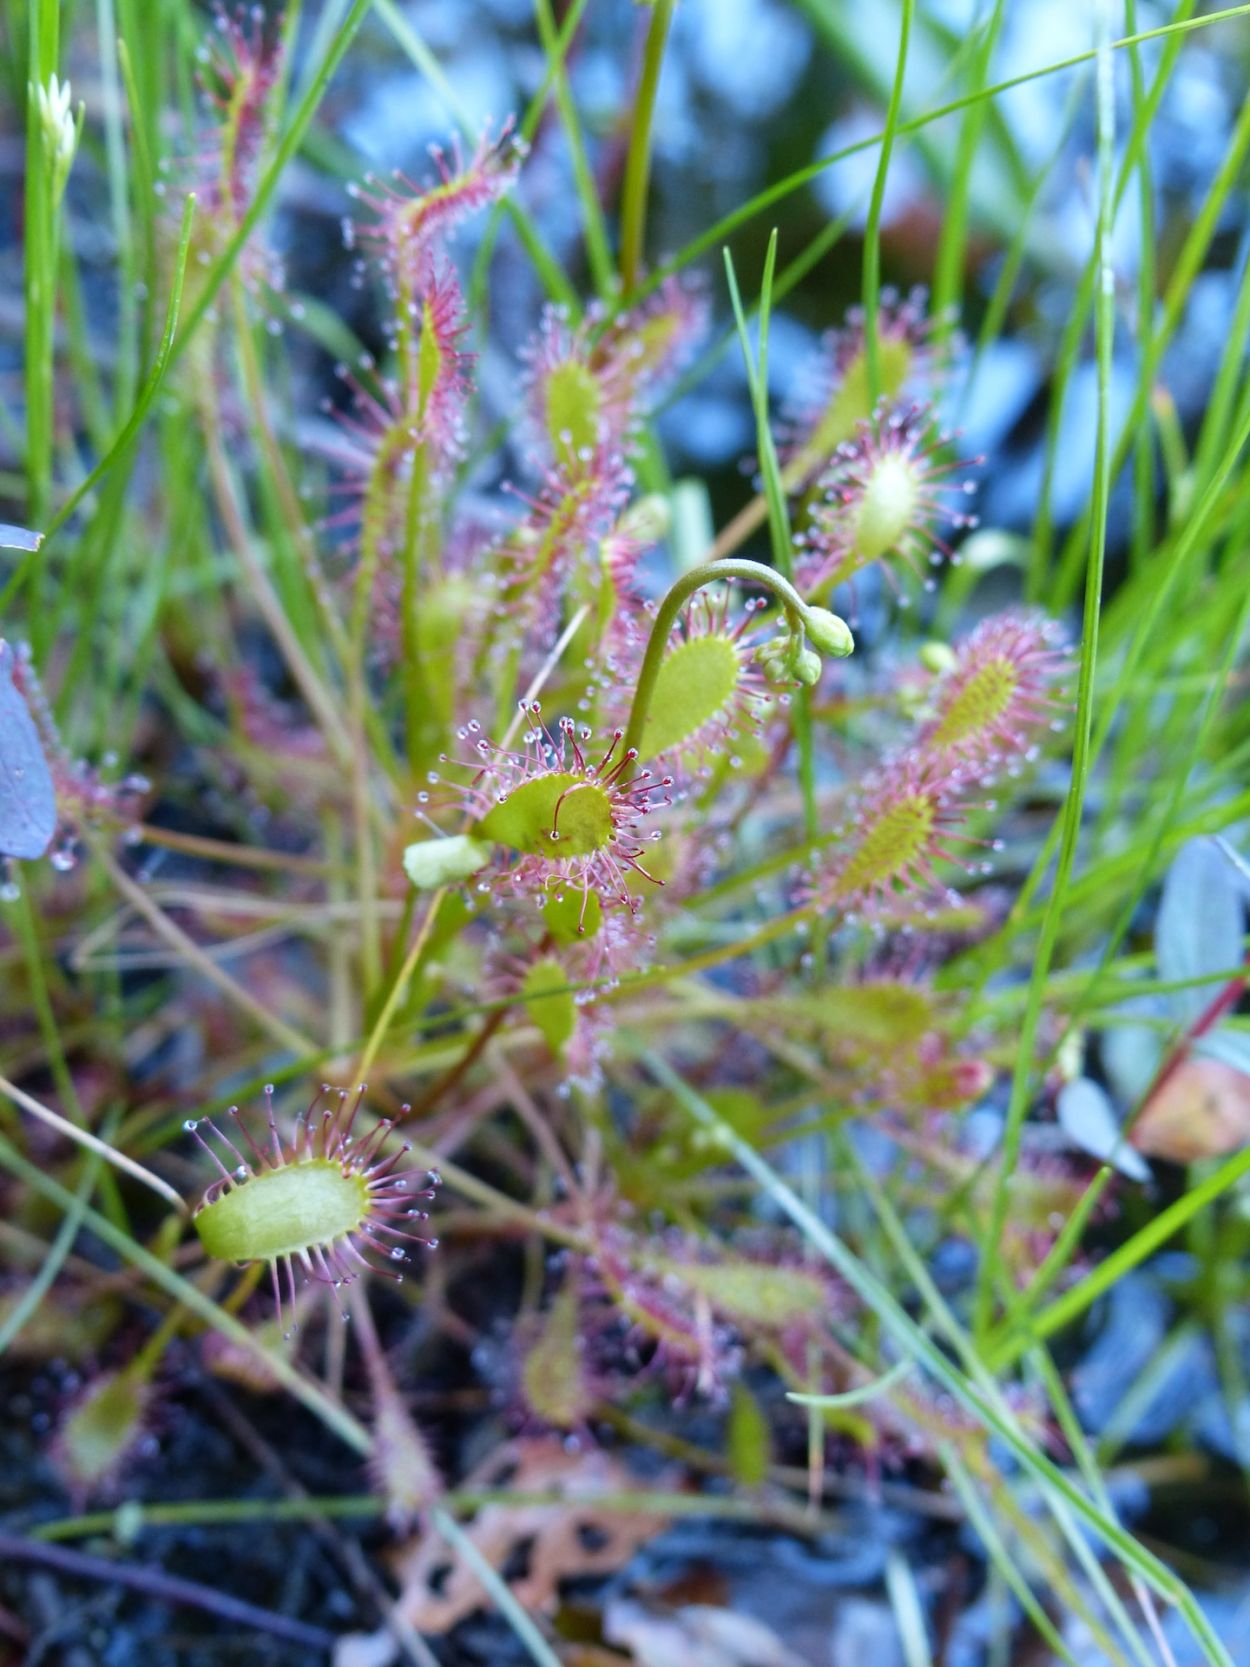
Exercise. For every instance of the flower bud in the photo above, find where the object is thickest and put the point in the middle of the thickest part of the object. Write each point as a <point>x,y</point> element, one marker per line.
<point>828,633</point>
<point>431,863</point>
<point>806,667</point>
<point>938,657</point>
<point>776,658</point>
<point>60,133</point>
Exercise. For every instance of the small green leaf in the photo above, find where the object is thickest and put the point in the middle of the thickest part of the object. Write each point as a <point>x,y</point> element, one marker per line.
<point>753,1292</point>
<point>558,815</point>
<point>61,1325</point>
<point>549,1002</point>
<point>882,1016</point>
<point>571,915</point>
<point>573,408</point>
<point>553,1376</point>
<point>748,1438</point>
<point>696,684</point>
<point>281,1212</point>
<point>100,1431</point>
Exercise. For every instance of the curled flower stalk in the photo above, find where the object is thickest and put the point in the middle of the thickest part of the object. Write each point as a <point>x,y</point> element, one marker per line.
<point>327,1199</point>
<point>711,687</point>
<point>569,821</point>
<point>829,634</point>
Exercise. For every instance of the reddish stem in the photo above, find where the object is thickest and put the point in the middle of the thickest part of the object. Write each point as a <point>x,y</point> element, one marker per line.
<point>1223,1002</point>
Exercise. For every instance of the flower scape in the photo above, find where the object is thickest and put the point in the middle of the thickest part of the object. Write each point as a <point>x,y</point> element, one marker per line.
<point>588,1019</point>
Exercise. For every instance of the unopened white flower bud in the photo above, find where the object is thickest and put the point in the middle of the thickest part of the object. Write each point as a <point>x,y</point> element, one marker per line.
<point>60,133</point>
<point>431,863</point>
<point>829,634</point>
<point>938,657</point>
<point>806,667</point>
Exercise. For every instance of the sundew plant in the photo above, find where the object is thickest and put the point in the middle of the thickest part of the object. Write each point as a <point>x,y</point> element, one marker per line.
<point>624,833</point>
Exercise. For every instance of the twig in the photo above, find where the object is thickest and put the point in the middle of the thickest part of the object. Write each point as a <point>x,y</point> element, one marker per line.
<point>92,1143</point>
<point>1223,1002</point>
<point>450,1078</point>
<point>166,1588</point>
<point>221,850</point>
<point>403,976</point>
<point>194,955</point>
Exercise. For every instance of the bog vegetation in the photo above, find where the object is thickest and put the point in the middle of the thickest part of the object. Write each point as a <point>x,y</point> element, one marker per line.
<point>722,1014</point>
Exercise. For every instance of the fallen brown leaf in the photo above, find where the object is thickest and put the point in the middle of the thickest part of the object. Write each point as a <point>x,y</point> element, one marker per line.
<point>534,1546</point>
<point>698,1635</point>
<point>1201,1110</point>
